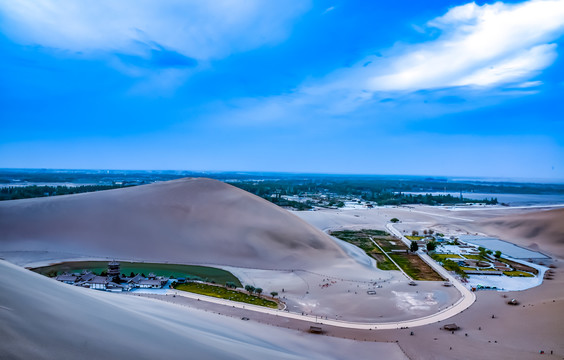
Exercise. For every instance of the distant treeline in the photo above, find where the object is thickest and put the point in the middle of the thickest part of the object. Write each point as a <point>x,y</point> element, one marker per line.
<point>378,192</point>
<point>428,199</point>
<point>33,191</point>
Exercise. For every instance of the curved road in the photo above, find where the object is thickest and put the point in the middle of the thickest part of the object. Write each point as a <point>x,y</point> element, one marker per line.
<point>463,303</point>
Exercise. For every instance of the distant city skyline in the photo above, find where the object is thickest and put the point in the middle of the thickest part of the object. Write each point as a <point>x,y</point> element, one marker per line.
<point>448,88</point>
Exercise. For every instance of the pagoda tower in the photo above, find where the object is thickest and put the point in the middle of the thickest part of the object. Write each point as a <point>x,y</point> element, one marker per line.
<point>113,269</point>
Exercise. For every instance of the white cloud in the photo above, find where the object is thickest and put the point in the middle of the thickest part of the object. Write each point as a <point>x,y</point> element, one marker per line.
<point>485,45</point>
<point>480,50</point>
<point>202,30</point>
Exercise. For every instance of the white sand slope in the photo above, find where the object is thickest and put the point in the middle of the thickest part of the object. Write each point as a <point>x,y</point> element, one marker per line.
<point>542,230</point>
<point>181,221</point>
<point>202,221</point>
<point>43,319</point>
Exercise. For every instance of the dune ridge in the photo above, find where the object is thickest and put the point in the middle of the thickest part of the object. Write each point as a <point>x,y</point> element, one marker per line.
<point>184,221</point>
<point>539,230</point>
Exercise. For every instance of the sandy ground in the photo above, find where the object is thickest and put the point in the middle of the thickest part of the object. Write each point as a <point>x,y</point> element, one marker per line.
<point>181,221</point>
<point>206,222</point>
<point>516,332</point>
<point>43,319</point>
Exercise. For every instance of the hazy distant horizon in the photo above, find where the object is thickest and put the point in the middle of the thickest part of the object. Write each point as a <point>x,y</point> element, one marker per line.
<point>453,178</point>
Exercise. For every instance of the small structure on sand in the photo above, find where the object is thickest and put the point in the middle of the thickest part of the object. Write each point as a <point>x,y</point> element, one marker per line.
<point>451,327</point>
<point>412,283</point>
<point>315,330</point>
<point>114,281</point>
<point>113,269</point>
<point>513,302</point>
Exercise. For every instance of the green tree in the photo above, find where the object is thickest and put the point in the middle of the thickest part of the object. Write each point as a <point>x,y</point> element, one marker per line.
<point>413,246</point>
<point>498,254</point>
<point>250,288</point>
<point>258,291</point>
<point>431,245</point>
<point>274,293</point>
<point>394,220</point>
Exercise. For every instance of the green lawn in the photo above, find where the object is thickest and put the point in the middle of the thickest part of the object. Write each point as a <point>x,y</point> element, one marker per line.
<point>440,257</point>
<point>205,273</point>
<point>474,257</point>
<point>410,237</point>
<point>223,293</point>
<point>362,240</point>
<point>517,273</point>
<point>416,268</point>
<point>382,261</point>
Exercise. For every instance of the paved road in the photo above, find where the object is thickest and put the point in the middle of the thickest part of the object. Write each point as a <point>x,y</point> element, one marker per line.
<point>468,297</point>
<point>463,303</point>
<point>441,315</point>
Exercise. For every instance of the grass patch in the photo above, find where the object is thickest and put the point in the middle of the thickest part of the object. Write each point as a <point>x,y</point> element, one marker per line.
<point>223,293</point>
<point>415,238</point>
<point>416,268</point>
<point>205,273</point>
<point>441,257</point>
<point>362,240</point>
<point>411,264</point>
<point>382,261</point>
<point>475,257</point>
<point>517,273</point>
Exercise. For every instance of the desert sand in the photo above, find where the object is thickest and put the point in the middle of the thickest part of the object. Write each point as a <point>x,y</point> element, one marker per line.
<point>207,222</point>
<point>515,332</point>
<point>533,230</point>
<point>184,221</point>
<point>43,319</point>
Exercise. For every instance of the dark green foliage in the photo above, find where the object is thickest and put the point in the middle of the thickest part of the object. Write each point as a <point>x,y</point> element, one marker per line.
<point>394,220</point>
<point>378,191</point>
<point>231,285</point>
<point>413,247</point>
<point>498,254</point>
<point>431,246</point>
<point>452,266</point>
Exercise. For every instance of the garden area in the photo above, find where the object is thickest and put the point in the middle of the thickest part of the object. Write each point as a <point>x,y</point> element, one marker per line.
<point>189,272</point>
<point>224,293</point>
<point>411,264</point>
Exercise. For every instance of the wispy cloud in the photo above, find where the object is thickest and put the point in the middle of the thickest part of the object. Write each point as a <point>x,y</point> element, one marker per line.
<point>487,45</point>
<point>201,30</point>
<point>482,53</point>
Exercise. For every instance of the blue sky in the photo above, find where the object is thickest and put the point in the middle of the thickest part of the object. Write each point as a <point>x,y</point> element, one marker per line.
<point>403,87</point>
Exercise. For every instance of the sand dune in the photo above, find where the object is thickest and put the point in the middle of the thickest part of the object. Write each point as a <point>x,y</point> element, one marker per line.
<point>183,221</point>
<point>542,230</point>
<point>43,319</point>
